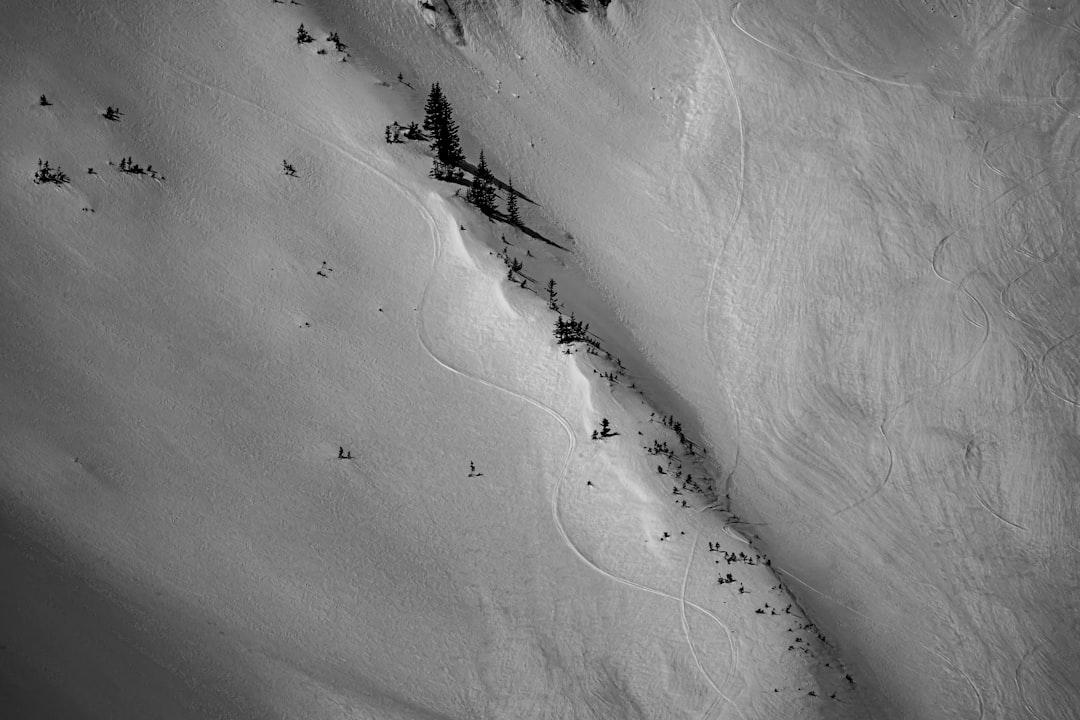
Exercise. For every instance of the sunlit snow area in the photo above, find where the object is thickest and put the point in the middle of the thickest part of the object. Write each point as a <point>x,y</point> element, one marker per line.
<point>304,444</point>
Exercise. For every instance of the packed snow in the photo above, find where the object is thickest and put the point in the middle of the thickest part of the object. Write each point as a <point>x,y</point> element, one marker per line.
<point>285,444</point>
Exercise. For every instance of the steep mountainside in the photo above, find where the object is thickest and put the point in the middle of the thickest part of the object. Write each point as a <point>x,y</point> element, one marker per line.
<point>843,231</point>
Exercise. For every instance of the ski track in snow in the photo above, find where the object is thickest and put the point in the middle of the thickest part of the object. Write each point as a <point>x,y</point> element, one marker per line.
<point>726,236</point>
<point>1038,18</point>
<point>858,74</point>
<point>985,326</point>
<point>1053,392</point>
<point>557,490</point>
<point>734,665</point>
<point>924,671</point>
<point>847,73</point>
<point>1054,98</point>
<point>1020,687</point>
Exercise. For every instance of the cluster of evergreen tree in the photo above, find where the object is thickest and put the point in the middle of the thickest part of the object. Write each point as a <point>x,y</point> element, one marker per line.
<point>130,166</point>
<point>482,193</point>
<point>571,330</point>
<point>440,127</point>
<point>47,174</point>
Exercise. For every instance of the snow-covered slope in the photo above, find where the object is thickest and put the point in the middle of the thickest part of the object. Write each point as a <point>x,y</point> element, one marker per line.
<point>186,353</point>
<point>843,231</point>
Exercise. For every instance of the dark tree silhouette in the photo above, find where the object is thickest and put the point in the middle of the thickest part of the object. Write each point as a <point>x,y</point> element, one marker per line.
<point>482,192</point>
<point>441,128</point>
<point>47,174</point>
<point>511,203</point>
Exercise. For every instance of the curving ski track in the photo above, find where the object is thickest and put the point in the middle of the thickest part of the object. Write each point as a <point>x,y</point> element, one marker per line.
<point>1019,685</point>
<point>726,236</point>
<point>858,74</point>
<point>734,648</point>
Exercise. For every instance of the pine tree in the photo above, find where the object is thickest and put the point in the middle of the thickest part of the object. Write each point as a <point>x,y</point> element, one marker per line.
<point>482,192</point>
<point>511,203</point>
<point>302,35</point>
<point>433,110</point>
<point>449,144</point>
<point>441,128</point>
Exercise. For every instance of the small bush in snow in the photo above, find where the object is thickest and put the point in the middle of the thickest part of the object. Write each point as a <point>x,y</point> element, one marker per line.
<point>514,266</point>
<point>303,36</point>
<point>442,171</point>
<point>338,45</point>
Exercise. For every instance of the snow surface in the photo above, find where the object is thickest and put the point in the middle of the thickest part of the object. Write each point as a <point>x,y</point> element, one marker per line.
<point>831,238</point>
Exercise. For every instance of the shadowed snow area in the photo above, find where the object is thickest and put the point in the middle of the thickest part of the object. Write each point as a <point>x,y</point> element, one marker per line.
<point>835,238</point>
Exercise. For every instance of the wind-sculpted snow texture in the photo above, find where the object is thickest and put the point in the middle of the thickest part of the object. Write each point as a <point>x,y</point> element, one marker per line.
<point>843,231</point>
<point>296,448</point>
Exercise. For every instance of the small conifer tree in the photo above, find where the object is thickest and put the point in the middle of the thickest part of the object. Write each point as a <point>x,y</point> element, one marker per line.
<point>511,203</point>
<point>439,171</point>
<point>303,36</point>
<point>482,192</point>
<point>433,109</point>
